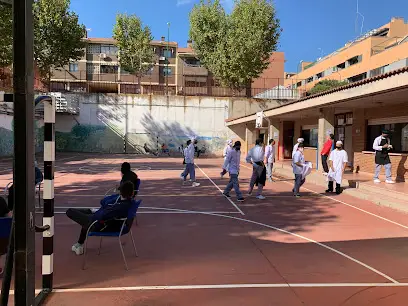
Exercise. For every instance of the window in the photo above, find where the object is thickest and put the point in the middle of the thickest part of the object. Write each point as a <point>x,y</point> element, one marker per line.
<point>92,68</point>
<point>378,71</point>
<point>311,137</point>
<point>109,49</point>
<point>192,62</point>
<point>309,80</point>
<point>298,84</point>
<point>355,60</point>
<point>398,136</point>
<point>109,69</point>
<point>357,78</point>
<point>73,67</point>
<point>166,71</point>
<point>320,75</point>
<point>93,49</point>
<point>340,66</point>
<point>167,53</point>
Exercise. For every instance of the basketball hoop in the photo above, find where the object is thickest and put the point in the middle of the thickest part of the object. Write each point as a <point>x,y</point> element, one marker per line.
<point>259,121</point>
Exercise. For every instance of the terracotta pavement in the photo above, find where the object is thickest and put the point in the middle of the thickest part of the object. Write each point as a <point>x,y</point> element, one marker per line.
<point>198,248</point>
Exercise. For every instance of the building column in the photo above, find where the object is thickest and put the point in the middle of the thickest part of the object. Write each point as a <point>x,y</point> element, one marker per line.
<point>325,128</point>
<point>274,134</point>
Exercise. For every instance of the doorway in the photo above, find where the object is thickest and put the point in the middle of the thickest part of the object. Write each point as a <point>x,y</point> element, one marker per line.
<point>288,134</point>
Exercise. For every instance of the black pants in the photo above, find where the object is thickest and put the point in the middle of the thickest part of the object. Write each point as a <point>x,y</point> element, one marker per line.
<point>331,185</point>
<point>324,163</point>
<point>83,218</point>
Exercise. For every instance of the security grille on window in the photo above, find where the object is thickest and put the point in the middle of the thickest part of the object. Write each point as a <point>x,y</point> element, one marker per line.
<point>109,49</point>
<point>73,67</point>
<point>166,71</point>
<point>93,49</point>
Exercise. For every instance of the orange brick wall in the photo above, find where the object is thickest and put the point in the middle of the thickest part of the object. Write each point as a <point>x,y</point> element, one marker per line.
<point>310,155</point>
<point>365,162</point>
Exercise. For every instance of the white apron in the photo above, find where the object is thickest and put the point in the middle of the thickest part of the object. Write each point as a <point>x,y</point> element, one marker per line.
<point>338,157</point>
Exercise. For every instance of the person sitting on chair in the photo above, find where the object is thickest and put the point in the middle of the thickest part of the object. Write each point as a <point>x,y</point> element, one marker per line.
<point>4,241</point>
<point>106,215</point>
<point>128,176</point>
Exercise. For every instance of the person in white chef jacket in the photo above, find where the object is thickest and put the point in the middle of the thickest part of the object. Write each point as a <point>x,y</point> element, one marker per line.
<point>338,160</point>
<point>295,147</point>
<point>227,148</point>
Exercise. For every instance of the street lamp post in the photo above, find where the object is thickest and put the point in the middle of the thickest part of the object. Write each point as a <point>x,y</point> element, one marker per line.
<point>167,58</point>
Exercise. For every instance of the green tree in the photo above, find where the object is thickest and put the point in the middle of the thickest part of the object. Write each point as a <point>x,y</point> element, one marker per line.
<point>6,35</point>
<point>58,36</point>
<point>236,48</point>
<point>326,85</point>
<point>133,40</point>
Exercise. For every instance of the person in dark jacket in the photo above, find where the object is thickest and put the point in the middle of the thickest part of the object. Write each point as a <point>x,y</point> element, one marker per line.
<point>128,176</point>
<point>113,207</point>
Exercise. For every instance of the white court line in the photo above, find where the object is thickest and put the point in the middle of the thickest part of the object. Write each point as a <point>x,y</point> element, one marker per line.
<point>161,212</point>
<point>352,206</point>
<point>225,286</point>
<point>232,202</point>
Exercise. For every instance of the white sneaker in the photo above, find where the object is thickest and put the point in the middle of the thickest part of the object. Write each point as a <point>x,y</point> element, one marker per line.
<point>195,184</point>
<point>78,249</point>
<point>325,174</point>
<point>260,197</point>
<point>182,177</point>
<point>390,182</point>
<point>377,181</point>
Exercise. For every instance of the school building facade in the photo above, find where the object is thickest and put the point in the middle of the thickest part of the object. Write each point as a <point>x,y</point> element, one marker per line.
<point>355,113</point>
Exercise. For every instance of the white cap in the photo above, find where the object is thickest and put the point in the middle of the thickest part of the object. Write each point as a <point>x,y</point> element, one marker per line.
<point>230,142</point>
<point>340,143</point>
<point>300,140</point>
<point>193,138</point>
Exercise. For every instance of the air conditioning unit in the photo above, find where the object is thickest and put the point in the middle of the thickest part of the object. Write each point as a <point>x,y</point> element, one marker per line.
<point>102,55</point>
<point>162,58</point>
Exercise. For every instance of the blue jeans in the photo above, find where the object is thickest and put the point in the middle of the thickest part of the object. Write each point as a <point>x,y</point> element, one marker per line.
<point>298,183</point>
<point>233,183</point>
<point>387,171</point>
<point>190,169</point>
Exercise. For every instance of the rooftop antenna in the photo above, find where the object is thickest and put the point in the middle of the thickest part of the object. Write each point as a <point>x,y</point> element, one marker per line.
<point>362,21</point>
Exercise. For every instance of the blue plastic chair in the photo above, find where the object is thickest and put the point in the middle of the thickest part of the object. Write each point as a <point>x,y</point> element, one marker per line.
<point>5,227</point>
<point>126,228</point>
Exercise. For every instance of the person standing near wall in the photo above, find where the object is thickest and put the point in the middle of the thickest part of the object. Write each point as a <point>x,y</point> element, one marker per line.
<point>298,164</point>
<point>189,160</point>
<point>227,148</point>
<point>256,157</point>
<point>327,147</point>
<point>270,158</point>
<point>381,147</point>
<point>338,161</point>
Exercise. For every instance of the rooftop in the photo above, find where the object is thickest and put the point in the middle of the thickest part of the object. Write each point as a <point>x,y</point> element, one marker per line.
<point>101,40</point>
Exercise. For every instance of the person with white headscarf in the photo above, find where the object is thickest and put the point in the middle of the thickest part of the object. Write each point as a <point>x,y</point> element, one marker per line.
<point>227,148</point>
<point>337,163</point>
<point>295,147</point>
<point>256,157</point>
<point>189,153</point>
<point>270,158</point>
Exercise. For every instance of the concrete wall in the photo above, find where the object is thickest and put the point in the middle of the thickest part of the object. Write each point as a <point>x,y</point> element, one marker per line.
<point>7,136</point>
<point>106,121</point>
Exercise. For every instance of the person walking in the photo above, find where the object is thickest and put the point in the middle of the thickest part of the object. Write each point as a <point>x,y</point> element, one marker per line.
<point>189,160</point>
<point>295,147</point>
<point>382,146</point>
<point>232,163</point>
<point>298,163</point>
<point>338,161</point>
<point>256,158</point>
<point>327,147</point>
<point>270,158</point>
<point>227,148</point>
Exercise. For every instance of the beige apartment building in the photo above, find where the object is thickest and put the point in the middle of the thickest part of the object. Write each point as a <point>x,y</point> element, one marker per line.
<point>99,70</point>
<point>377,52</point>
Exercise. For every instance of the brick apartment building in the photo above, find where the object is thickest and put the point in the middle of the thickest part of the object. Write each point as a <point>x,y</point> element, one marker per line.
<point>99,71</point>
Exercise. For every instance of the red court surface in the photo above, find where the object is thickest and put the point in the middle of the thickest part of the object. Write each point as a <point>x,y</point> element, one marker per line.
<point>198,248</point>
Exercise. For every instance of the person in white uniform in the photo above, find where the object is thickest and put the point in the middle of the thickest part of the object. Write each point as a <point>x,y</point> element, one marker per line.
<point>270,158</point>
<point>190,167</point>
<point>256,158</point>
<point>295,147</point>
<point>232,163</point>
<point>227,148</point>
<point>298,163</point>
<point>338,160</point>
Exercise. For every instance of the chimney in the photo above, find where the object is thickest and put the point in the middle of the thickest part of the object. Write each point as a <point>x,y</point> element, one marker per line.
<point>189,43</point>
<point>163,38</point>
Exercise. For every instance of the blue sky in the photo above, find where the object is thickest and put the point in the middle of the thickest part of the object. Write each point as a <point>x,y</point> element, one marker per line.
<point>307,25</point>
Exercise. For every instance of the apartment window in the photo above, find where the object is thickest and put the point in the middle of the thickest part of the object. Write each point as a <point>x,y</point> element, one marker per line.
<point>357,78</point>
<point>192,62</point>
<point>195,84</point>
<point>398,135</point>
<point>109,69</point>
<point>298,84</point>
<point>92,68</point>
<point>320,75</point>
<point>378,71</point>
<point>167,53</point>
<point>109,49</point>
<point>309,80</point>
<point>355,60</point>
<point>166,71</point>
<point>340,66</point>
<point>73,67</point>
<point>93,49</point>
